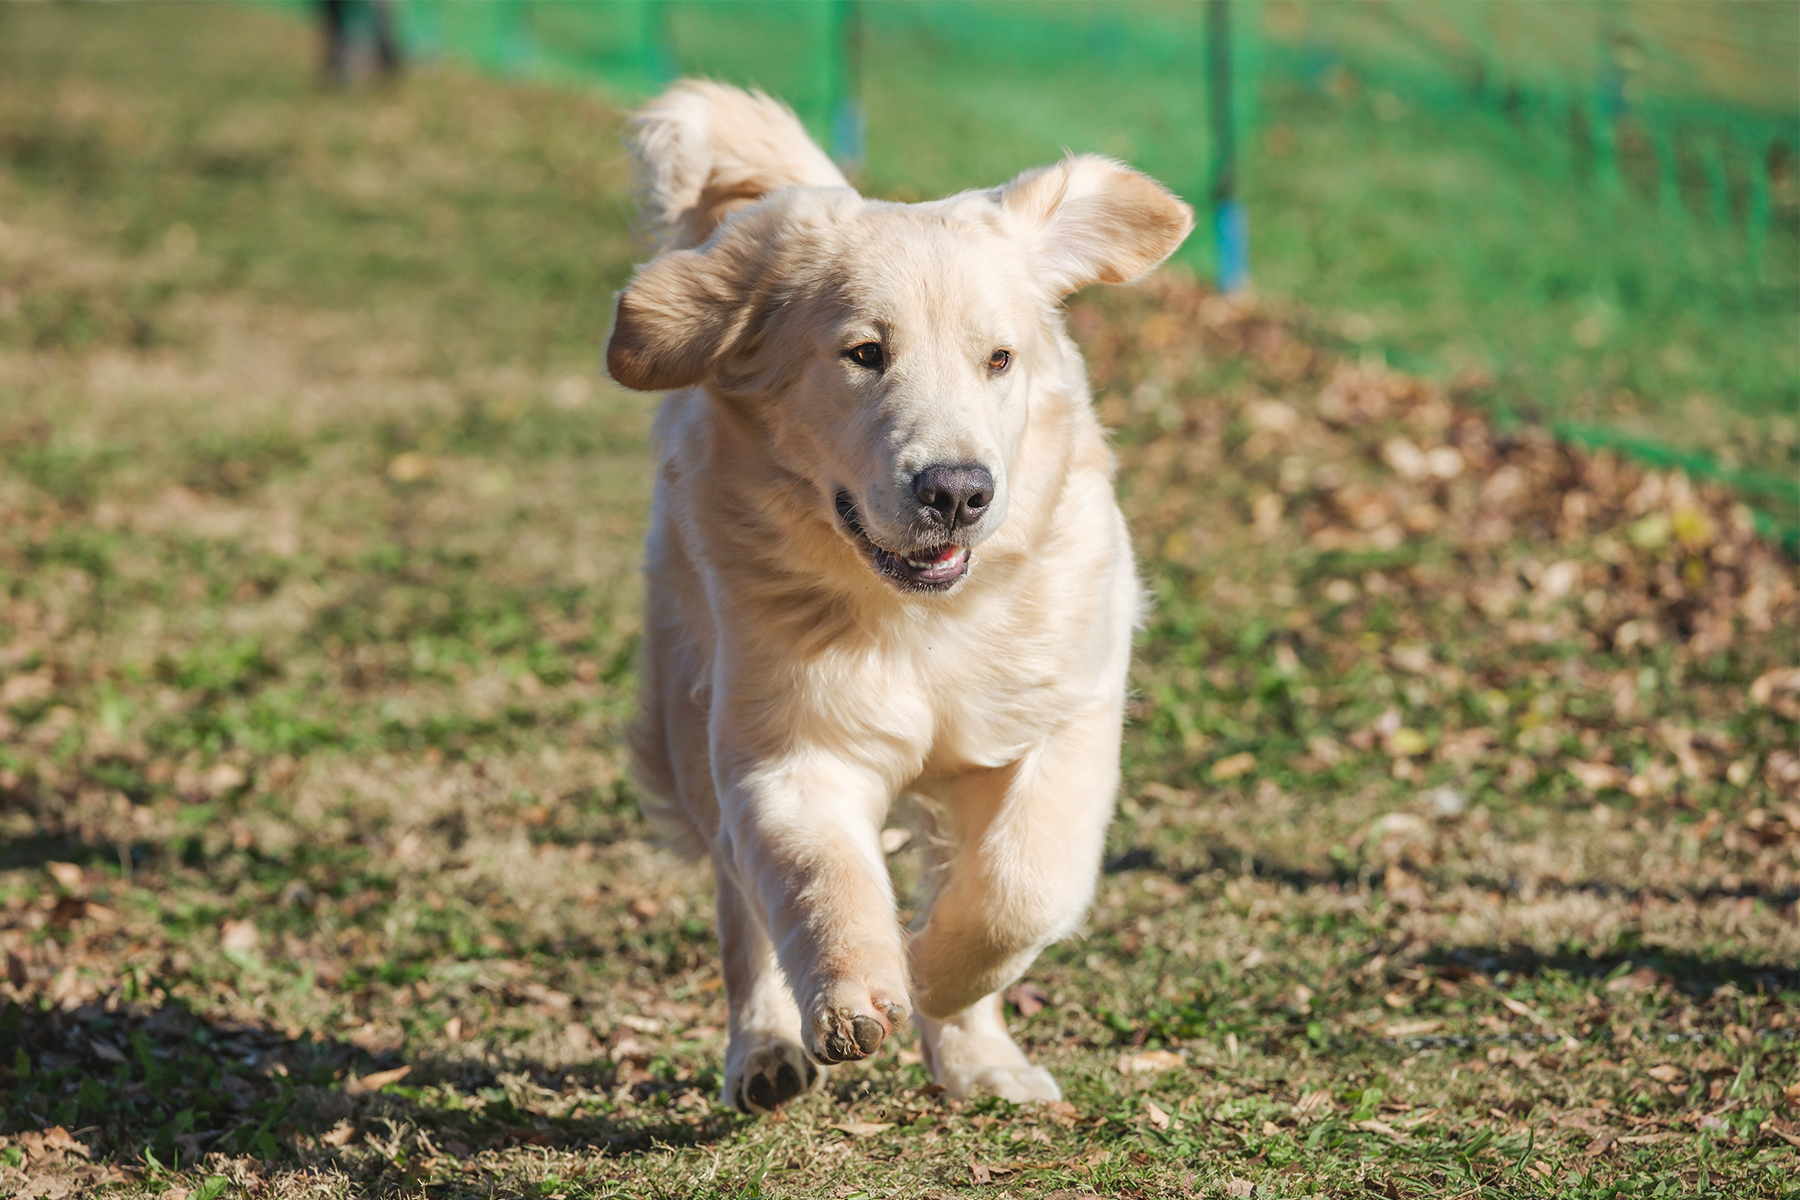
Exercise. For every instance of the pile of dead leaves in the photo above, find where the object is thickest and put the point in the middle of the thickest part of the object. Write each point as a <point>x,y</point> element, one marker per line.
<point>1450,553</point>
<point>51,1163</point>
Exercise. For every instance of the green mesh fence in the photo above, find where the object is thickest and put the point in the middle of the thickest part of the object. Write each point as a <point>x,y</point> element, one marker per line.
<point>1611,230</point>
<point>1587,211</point>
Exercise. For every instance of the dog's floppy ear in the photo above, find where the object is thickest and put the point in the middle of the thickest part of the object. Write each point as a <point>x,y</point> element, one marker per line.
<point>1093,220</point>
<point>703,149</point>
<point>682,310</point>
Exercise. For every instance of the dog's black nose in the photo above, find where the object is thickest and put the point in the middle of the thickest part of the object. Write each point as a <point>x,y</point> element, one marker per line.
<point>958,495</point>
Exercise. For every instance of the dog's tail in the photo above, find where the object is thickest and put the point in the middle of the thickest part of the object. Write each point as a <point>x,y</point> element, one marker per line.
<point>703,149</point>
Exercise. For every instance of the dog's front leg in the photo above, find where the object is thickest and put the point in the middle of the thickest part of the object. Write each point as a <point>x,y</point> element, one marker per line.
<point>1021,853</point>
<point>802,834</point>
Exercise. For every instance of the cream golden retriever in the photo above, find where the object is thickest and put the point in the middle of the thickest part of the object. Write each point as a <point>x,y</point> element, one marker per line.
<point>885,559</point>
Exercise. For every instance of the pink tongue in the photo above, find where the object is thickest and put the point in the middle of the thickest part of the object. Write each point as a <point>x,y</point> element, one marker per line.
<point>942,555</point>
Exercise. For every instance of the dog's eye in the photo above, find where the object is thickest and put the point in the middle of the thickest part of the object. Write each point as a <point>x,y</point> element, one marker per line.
<point>869,355</point>
<point>999,360</point>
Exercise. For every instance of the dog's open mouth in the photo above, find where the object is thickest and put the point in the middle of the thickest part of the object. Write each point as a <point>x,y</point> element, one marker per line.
<point>926,568</point>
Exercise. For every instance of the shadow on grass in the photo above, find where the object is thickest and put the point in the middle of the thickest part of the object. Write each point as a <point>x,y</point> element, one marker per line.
<point>31,853</point>
<point>1218,856</point>
<point>161,1085</point>
<point>1628,965</point>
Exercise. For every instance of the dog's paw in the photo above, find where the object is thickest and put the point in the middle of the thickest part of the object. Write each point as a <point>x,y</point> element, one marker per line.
<point>763,1078</point>
<point>850,1021</point>
<point>1021,1085</point>
<point>973,1054</point>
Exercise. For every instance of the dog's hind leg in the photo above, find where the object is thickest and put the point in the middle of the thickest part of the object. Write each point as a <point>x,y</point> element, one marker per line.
<point>764,1064</point>
<point>1022,852</point>
<point>972,1052</point>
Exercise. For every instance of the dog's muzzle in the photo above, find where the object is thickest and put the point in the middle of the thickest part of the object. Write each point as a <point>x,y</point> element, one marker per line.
<point>931,568</point>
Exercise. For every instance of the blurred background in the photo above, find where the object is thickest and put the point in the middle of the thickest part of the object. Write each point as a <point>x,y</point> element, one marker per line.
<point>1460,450</point>
<point>1586,211</point>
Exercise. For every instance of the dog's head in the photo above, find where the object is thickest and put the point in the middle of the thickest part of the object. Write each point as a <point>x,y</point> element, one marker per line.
<point>889,354</point>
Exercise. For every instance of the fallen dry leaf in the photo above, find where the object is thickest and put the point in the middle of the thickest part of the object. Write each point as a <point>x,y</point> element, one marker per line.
<point>862,1129</point>
<point>341,1134</point>
<point>376,1081</point>
<point>1667,1073</point>
<point>105,1051</point>
<point>67,875</point>
<point>1637,981</point>
<point>1405,743</point>
<point>1602,1141</point>
<point>645,907</point>
<point>1403,887</point>
<point>1520,1009</point>
<point>408,467</point>
<point>241,936</point>
<point>1781,679</point>
<point>43,1147</point>
<point>1158,1118</point>
<point>1148,1062</point>
<point>983,1172</point>
<point>45,1187</point>
<point>1240,1189</point>
<point>1383,1128</point>
<point>1316,1100</point>
<point>1597,777</point>
<point>1231,766</point>
<point>1028,998</point>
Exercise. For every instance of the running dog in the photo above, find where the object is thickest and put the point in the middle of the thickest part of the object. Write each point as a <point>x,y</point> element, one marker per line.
<point>885,559</point>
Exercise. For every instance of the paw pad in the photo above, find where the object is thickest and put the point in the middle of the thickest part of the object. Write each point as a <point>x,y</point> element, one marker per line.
<point>773,1077</point>
<point>849,1035</point>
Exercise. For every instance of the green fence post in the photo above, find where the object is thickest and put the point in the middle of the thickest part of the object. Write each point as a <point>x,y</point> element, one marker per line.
<point>1605,144</point>
<point>1231,225</point>
<point>515,52</point>
<point>1668,167</point>
<point>654,49</point>
<point>1558,131</point>
<point>1718,185</point>
<point>1756,226</point>
<point>843,90</point>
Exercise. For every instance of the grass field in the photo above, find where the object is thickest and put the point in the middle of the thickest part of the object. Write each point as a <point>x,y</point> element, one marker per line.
<point>1459,852</point>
